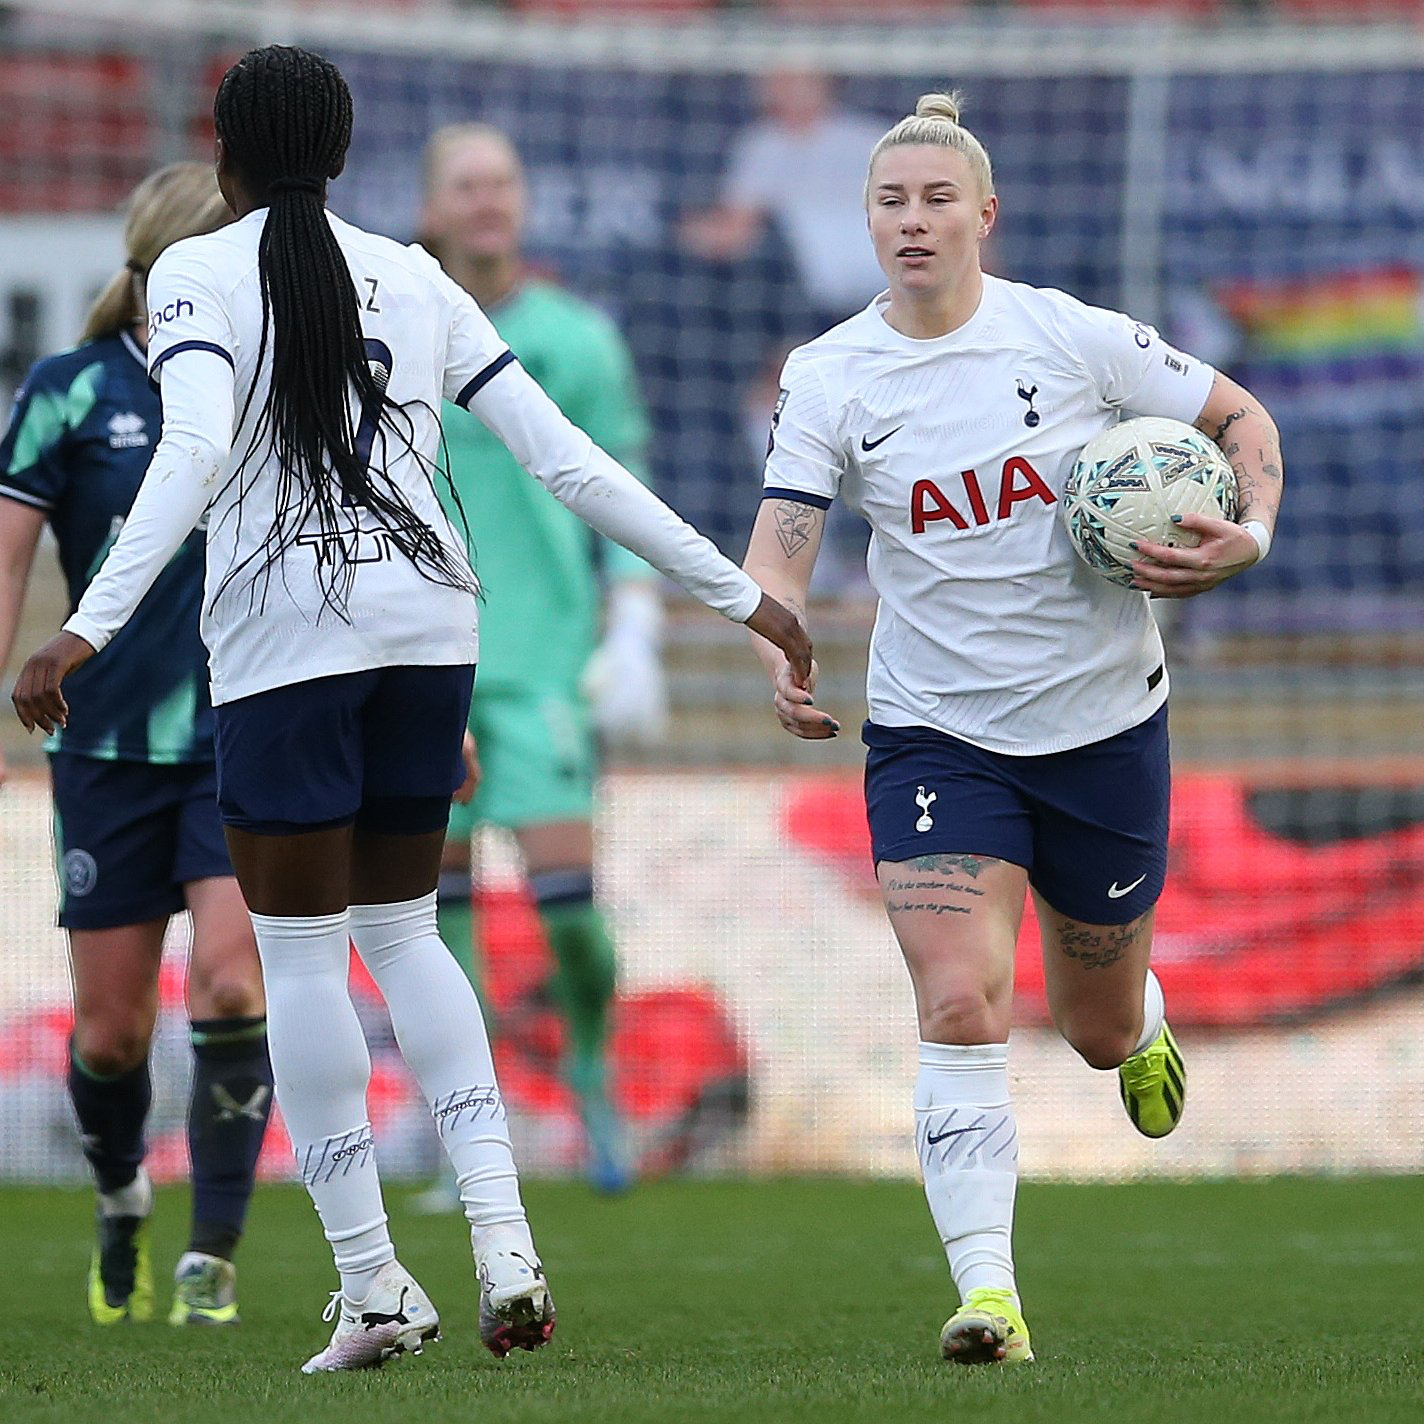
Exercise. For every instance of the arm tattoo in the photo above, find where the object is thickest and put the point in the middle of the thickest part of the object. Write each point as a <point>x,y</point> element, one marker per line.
<point>1258,477</point>
<point>1219,434</point>
<point>795,523</point>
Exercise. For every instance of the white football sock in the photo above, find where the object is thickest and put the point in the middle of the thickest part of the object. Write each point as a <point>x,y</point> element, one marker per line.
<point>1154,1011</point>
<point>321,1067</point>
<point>442,1036</point>
<point>969,1152</point>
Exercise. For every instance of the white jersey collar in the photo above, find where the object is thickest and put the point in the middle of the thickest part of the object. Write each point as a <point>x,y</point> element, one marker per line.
<point>134,349</point>
<point>962,336</point>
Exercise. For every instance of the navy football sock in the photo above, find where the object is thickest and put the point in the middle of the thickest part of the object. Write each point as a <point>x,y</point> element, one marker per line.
<point>227,1118</point>
<point>111,1113</point>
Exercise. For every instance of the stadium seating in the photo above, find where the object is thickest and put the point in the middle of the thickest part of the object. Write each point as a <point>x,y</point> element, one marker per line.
<point>75,131</point>
<point>644,9</point>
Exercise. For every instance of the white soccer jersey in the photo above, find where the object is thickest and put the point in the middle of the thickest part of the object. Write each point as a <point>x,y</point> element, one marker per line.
<point>268,629</point>
<point>956,451</point>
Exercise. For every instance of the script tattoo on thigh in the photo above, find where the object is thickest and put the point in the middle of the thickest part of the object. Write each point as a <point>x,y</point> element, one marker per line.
<point>1097,947</point>
<point>903,894</point>
<point>913,885</point>
<point>935,907</point>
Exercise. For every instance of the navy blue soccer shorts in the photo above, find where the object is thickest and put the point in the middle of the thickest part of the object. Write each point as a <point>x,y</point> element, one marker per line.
<point>129,836</point>
<point>1089,825</point>
<point>381,748</point>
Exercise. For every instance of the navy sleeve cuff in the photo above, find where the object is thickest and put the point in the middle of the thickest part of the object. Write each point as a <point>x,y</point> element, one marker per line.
<point>187,346</point>
<point>817,501</point>
<point>477,383</point>
<point>24,497</point>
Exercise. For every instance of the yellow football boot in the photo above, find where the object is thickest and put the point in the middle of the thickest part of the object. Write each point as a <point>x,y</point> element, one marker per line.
<point>120,1272</point>
<point>1153,1084</point>
<point>204,1291</point>
<point>988,1329</point>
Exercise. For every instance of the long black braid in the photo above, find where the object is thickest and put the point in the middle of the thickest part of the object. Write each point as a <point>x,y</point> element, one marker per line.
<point>284,116</point>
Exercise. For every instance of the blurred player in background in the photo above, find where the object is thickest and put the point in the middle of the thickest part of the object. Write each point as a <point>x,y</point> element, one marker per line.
<point>303,363</point>
<point>539,571</point>
<point>137,834</point>
<point>1017,734</point>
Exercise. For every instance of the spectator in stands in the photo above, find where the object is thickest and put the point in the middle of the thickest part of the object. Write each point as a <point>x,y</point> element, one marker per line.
<point>797,169</point>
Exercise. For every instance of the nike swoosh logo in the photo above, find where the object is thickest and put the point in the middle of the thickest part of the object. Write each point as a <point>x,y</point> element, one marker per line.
<point>868,444</point>
<point>951,1132</point>
<point>1115,894</point>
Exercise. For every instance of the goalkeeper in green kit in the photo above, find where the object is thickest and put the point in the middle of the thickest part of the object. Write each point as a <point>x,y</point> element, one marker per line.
<point>544,678</point>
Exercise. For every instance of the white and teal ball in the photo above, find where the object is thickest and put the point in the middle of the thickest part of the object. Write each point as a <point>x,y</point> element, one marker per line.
<point>1129,482</point>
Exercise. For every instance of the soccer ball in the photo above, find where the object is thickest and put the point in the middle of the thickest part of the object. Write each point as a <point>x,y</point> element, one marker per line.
<point>1129,482</point>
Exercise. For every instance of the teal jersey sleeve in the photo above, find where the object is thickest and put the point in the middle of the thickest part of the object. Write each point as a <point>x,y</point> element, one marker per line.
<point>604,401</point>
<point>54,401</point>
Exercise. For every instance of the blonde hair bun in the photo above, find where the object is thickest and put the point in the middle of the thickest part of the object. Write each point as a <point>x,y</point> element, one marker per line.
<point>935,122</point>
<point>939,106</point>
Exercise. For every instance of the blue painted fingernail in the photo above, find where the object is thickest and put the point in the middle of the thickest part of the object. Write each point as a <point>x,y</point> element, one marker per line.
<point>1132,544</point>
<point>1176,519</point>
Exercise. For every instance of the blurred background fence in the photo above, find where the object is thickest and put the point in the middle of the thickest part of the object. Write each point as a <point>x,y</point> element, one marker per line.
<point>1248,177</point>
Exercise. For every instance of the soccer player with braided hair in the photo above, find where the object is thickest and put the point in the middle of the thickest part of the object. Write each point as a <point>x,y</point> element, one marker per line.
<point>302,364</point>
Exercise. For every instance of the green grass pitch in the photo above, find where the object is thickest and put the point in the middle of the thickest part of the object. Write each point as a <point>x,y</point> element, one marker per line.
<point>815,1301</point>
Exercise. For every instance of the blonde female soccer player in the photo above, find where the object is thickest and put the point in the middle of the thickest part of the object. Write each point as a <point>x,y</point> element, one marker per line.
<point>137,833</point>
<point>1017,733</point>
<point>302,363</point>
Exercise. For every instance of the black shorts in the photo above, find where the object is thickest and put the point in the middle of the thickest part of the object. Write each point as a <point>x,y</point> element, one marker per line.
<point>1089,825</point>
<point>129,836</point>
<point>381,747</point>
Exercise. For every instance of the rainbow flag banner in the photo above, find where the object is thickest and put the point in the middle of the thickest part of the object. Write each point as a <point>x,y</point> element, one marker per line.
<point>1329,317</point>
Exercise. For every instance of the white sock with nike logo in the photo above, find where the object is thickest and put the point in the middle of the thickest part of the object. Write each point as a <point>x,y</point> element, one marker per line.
<point>1154,1011</point>
<point>322,1067</point>
<point>968,1143</point>
<point>442,1037</point>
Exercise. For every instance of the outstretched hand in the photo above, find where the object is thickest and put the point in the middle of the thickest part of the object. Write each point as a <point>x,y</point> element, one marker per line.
<point>777,624</point>
<point>797,711</point>
<point>1225,549</point>
<point>36,694</point>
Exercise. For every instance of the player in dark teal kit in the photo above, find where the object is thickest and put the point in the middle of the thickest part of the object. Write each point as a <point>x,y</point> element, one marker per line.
<point>137,835</point>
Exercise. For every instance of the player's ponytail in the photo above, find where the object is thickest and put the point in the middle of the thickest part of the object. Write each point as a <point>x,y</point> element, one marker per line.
<point>178,201</point>
<point>284,116</point>
<point>936,122</point>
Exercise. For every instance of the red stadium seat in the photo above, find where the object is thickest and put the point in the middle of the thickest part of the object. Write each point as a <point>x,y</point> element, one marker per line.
<point>840,11</point>
<point>605,9</point>
<point>1350,10</point>
<point>75,134</point>
<point>1129,9</point>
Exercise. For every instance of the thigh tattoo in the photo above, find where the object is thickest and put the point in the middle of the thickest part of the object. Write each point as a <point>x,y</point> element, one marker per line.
<point>1097,946</point>
<point>943,874</point>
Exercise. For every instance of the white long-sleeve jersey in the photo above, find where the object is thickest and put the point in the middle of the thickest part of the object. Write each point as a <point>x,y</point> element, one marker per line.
<point>956,451</point>
<point>267,627</point>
